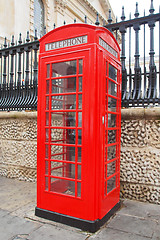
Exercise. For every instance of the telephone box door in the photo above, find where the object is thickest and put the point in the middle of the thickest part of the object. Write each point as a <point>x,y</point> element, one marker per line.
<point>62,178</point>
<point>111,130</point>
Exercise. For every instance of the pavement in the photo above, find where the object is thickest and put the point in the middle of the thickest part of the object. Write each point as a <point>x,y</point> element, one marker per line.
<point>134,221</point>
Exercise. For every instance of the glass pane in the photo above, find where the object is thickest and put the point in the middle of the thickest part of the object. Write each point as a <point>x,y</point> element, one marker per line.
<point>79,154</point>
<point>112,72</point>
<point>111,120</point>
<point>63,136</point>
<point>80,119</point>
<point>48,70</point>
<point>111,184</point>
<point>111,136</point>
<point>80,66</point>
<point>112,88</point>
<point>47,135</point>
<point>64,102</point>
<point>46,183</point>
<point>63,186</point>
<point>64,85</point>
<point>80,84</point>
<point>63,153</point>
<point>80,137</point>
<point>46,151</point>
<point>46,167</point>
<point>47,119</point>
<point>112,104</point>
<point>63,119</point>
<point>78,189</point>
<point>64,68</point>
<point>79,172</point>
<point>47,103</point>
<point>47,87</point>
<point>59,169</point>
<point>111,152</point>
<point>80,101</point>
<point>111,168</point>
<point>105,188</point>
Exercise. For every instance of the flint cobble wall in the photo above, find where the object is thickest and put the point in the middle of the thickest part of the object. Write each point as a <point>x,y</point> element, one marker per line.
<point>140,151</point>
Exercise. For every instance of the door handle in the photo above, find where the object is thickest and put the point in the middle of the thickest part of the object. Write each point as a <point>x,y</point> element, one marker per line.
<point>103,120</point>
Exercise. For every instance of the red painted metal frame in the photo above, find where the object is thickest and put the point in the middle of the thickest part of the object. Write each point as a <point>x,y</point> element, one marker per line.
<point>93,203</point>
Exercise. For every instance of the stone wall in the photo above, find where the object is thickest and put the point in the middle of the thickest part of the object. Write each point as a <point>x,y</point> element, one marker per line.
<point>140,151</point>
<point>140,154</point>
<point>18,145</point>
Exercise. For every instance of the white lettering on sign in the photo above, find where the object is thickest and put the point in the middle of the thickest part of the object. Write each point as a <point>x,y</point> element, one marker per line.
<point>108,47</point>
<point>66,43</point>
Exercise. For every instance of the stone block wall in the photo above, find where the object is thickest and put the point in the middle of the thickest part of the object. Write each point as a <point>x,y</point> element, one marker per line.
<point>140,151</point>
<point>140,154</point>
<point>18,145</point>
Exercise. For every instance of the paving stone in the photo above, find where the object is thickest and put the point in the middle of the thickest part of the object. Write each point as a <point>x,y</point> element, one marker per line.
<point>50,232</point>
<point>140,209</point>
<point>113,234</point>
<point>11,226</point>
<point>156,234</point>
<point>133,225</point>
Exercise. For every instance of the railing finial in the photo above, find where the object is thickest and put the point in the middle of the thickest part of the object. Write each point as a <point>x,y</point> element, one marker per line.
<point>35,35</point>
<point>136,12</point>
<point>12,42</point>
<point>44,30</point>
<point>27,38</point>
<point>75,20</point>
<point>64,23</point>
<point>5,42</point>
<point>97,20</point>
<point>151,10</point>
<point>54,26</point>
<point>123,15</point>
<point>20,38</point>
<point>110,17</point>
<point>85,19</point>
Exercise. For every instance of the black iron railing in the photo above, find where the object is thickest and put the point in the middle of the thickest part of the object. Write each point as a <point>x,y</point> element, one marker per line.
<point>140,82</point>
<point>19,74</point>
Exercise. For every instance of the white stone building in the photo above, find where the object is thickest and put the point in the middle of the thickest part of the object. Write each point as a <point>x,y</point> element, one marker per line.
<point>20,16</point>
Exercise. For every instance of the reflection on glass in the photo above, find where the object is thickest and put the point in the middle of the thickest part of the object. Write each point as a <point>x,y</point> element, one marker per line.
<point>80,84</point>
<point>47,135</point>
<point>111,152</point>
<point>79,137</point>
<point>111,168</point>
<point>64,85</point>
<point>63,136</point>
<point>47,87</point>
<point>64,68</point>
<point>47,103</point>
<point>48,70</point>
<point>112,72</point>
<point>79,172</point>
<point>46,183</point>
<point>63,102</point>
<point>111,136</point>
<point>79,154</point>
<point>111,120</point>
<point>60,169</point>
<point>46,151</point>
<point>63,119</point>
<point>111,184</point>
<point>78,189</point>
<point>47,119</point>
<point>80,101</point>
<point>80,119</point>
<point>46,167</point>
<point>63,186</point>
<point>80,66</point>
<point>112,104</point>
<point>112,88</point>
<point>63,153</point>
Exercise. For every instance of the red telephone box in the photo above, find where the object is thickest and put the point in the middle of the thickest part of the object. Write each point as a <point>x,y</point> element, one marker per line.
<point>79,103</point>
